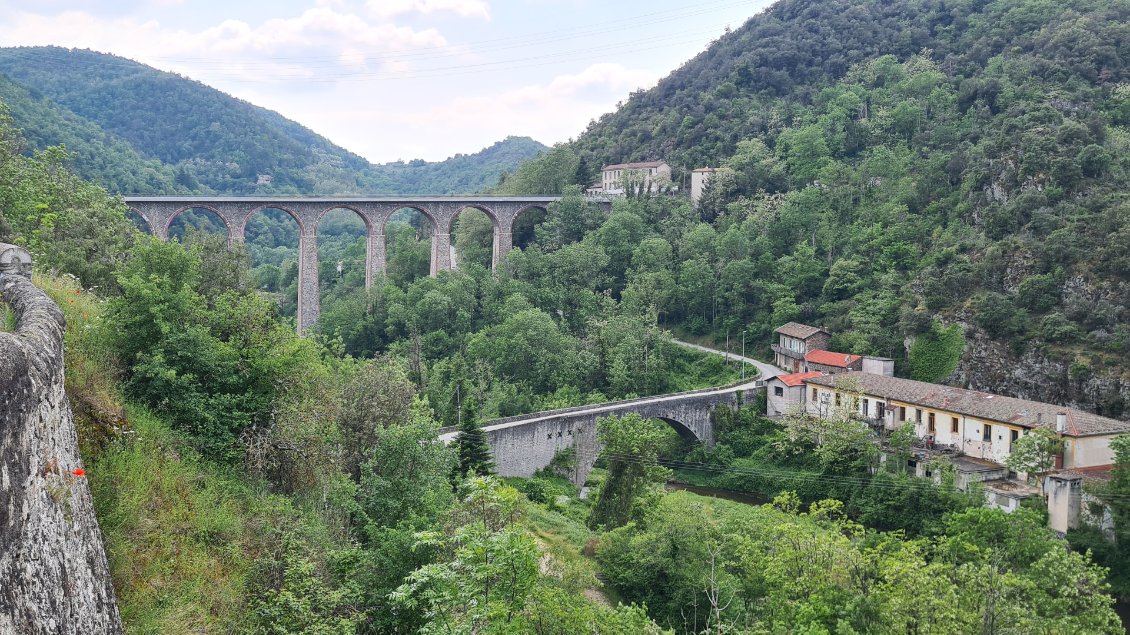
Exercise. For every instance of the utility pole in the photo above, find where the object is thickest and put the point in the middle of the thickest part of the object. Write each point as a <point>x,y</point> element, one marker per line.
<point>742,355</point>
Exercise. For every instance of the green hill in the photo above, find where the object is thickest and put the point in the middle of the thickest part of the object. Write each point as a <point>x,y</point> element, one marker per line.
<point>120,119</point>
<point>943,182</point>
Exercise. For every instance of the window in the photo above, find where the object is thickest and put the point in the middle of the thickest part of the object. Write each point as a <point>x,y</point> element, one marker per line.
<point>882,408</point>
<point>953,425</point>
<point>865,408</point>
<point>1014,436</point>
<point>778,391</point>
<point>918,415</point>
<point>930,424</point>
<point>837,400</point>
<point>902,413</point>
<point>987,433</point>
<point>814,394</point>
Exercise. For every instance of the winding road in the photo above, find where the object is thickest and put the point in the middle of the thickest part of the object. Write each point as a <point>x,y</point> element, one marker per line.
<point>767,371</point>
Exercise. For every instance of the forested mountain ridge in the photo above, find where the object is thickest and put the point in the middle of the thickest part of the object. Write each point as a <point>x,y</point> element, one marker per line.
<point>186,137</point>
<point>938,181</point>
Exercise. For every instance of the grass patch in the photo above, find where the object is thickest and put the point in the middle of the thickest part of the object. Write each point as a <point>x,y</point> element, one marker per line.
<point>175,533</point>
<point>191,545</point>
<point>694,369</point>
<point>92,372</point>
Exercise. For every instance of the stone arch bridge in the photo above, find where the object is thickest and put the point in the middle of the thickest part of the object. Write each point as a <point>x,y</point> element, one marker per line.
<point>158,212</point>
<point>527,443</point>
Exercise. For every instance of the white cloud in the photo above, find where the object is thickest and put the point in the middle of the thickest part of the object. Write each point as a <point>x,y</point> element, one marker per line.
<point>550,112</point>
<point>462,8</point>
<point>332,66</point>
<point>321,42</point>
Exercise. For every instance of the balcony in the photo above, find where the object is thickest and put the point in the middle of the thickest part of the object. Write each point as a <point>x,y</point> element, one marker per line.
<point>777,348</point>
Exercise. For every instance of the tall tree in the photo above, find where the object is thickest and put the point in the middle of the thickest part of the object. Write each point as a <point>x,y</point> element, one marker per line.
<point>471,442</point>
<point>631,445</point>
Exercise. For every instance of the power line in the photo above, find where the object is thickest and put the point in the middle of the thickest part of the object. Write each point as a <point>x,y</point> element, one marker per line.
<point>784,473</point>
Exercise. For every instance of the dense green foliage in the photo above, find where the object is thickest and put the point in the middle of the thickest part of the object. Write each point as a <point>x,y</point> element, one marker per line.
<point>728,568</point>
<point>888,163</point>
<point>63,221</point>
<point>936,353</point>
<point>893,164</point>
<point>767,458</point>
<point>137,130</point>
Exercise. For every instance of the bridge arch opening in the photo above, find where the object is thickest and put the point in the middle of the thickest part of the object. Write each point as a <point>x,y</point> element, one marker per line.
<point>343,244</point>
<point>686,435</point>
<point>409,239</point>
<point>271,236</point>
<point>524,229</point>
<point>197,219</point>
<point>140,222</point>
<point>474,231</point>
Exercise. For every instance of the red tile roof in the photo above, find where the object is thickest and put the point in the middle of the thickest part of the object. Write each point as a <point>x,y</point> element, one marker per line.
<point>1021,412</point>
<point>797,379</point>
<point>829,358</point>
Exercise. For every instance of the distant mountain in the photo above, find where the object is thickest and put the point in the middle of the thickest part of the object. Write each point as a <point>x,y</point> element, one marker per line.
<point>136,129</point>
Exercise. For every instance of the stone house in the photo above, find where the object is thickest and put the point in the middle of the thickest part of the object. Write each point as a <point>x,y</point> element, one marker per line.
<point>794,342</point>
<point>785,393</point>
<point>614,177</point>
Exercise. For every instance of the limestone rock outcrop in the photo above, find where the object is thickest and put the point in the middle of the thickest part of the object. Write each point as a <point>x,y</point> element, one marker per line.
<point>54,578</point>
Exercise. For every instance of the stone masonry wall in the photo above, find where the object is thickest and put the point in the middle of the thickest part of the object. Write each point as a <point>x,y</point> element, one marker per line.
<point>54,576</point>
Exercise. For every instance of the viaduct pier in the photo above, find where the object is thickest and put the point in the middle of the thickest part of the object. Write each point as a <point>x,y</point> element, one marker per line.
<point>234,212</point>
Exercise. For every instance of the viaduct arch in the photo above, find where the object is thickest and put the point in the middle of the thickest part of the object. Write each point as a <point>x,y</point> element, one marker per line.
<point>527,443</point>
<point>159,212</point>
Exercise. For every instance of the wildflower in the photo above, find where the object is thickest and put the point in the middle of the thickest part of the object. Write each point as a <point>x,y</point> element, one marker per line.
<point>79,472</point>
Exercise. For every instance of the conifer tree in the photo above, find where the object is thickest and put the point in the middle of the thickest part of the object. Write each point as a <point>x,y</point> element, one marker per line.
<point>471,442</point>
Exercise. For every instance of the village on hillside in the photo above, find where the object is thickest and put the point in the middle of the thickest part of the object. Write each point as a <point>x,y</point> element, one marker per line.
<point>987,438</point>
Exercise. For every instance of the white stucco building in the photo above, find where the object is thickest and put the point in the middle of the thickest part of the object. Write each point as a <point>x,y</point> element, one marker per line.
<point>614,179</point>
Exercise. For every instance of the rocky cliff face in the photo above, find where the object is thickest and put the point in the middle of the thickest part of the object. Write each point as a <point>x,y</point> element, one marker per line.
<point>1033,373</point>
<point>53,572</point>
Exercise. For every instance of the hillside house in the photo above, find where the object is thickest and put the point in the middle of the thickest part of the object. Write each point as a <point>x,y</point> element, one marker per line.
<point>615,178</point>
<point>785,393</point>
<point>794,342</point>
<point>699,179</point>
<point>978,429</point>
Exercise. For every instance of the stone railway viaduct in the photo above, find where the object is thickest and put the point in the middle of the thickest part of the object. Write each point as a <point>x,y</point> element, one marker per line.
<point>527,443</point>
<point>235,211</point>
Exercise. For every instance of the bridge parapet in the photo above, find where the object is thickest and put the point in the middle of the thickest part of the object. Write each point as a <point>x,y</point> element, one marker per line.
<point>524,444</point>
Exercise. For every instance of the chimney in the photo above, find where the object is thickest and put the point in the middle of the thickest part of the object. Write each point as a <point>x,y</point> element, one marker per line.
<point>1061,423</point>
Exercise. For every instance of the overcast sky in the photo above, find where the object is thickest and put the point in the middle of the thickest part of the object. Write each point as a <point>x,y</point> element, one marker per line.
<point>400,79</point>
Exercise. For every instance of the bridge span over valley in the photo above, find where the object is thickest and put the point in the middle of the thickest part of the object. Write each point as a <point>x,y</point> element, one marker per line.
<point>158,212</point>
<point>524,444</point>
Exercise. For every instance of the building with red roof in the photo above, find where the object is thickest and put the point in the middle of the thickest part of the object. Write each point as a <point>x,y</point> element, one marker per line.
<point>832,362</point>
<point>785,393</point>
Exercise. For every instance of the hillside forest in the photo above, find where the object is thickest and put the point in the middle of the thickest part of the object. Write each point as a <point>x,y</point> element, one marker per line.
<point>934,174</point>
<point>918,177</point>
<point>248,480</point>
